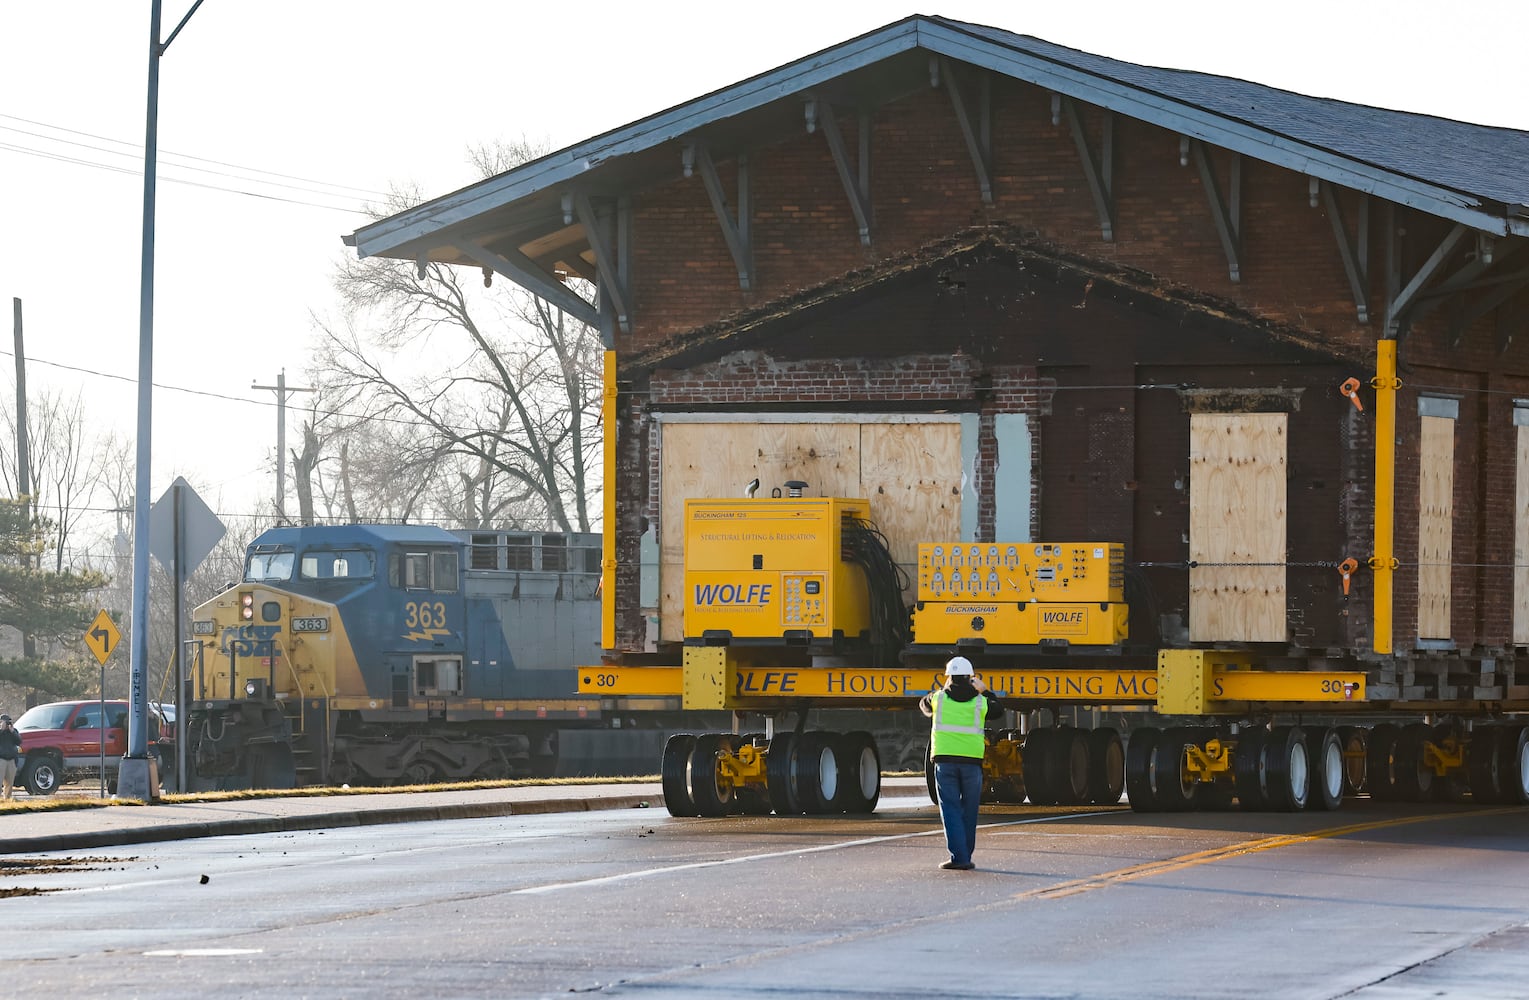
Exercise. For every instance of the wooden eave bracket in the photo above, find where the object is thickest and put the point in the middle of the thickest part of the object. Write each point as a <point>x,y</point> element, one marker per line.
<point>1354,251</point>
<point>1485,270</point>
<point>820,114</point>
<point>524,272</point>
<point>1402,302</point>
<point>613,285</point>
<point>1227,213</point>
<point>1100,172</point>
<point>1512,319</point>
<point>978,134</point>
<point>696,155</point>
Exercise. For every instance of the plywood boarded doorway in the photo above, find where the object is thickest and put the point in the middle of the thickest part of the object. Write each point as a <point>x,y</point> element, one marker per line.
<point>1237,527</point>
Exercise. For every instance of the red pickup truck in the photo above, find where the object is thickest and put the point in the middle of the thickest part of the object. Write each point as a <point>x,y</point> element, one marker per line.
<point>61,742</point>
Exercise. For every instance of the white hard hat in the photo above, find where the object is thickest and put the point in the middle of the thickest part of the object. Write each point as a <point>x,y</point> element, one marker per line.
<point>958,666</point>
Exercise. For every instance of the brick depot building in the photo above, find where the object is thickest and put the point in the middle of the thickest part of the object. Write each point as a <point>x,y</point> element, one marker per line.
<point>1012,291</point>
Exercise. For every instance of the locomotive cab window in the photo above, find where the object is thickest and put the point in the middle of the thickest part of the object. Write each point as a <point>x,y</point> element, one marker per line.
<point>435,571</point>
<point>336,565</point>
<point>274,565</point>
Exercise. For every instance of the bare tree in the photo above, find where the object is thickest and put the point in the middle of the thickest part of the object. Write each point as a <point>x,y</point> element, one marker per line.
<point>487,400</point>
<point>64,464</point>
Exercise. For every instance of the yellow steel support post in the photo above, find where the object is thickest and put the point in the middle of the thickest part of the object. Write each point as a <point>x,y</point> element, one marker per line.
<point>1384,563</point>
<point>608,536</point>
<point>704,677</point>
<point>1183,681</point>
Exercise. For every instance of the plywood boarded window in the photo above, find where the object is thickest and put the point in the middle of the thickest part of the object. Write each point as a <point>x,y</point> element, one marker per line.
<point>1436,515</point>
<point>1237,527</point>
<point>1521,529</point>
<point>910,471</point>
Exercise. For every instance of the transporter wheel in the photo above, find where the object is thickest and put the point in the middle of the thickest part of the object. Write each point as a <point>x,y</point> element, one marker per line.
<point>1380,762</point>
<point>1035,757</point>
<point>675,775</point>
<point>862,772</point>
<point>1172,785</point>
<point>1355,758</point>
<point>818,773</point>
<point>417,773</point>
<point>712,795</point>
<point>1067,766</point>
<point>1288,770</point>
<point>1414,778</point>
<point>1454,785</point>
<point>1141,748</point>
<point>1327,772</point>
<point>1106,767</point>
<point>780,775</point>
<point>1514,771</point>
<point>1483,764</point>
<point>1249,771</point>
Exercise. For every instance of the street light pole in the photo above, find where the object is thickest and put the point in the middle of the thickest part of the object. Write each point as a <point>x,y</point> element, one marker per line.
<point>136,778</point>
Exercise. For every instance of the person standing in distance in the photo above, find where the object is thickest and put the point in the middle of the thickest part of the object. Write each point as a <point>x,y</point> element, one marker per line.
<point>957,712</point>
<point>10,749</point>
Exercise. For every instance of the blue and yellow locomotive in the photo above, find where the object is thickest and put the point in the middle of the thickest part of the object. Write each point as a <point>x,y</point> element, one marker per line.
<point>402,654</point>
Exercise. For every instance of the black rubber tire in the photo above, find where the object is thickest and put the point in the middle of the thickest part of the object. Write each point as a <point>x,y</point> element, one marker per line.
<point>42,774</point>
<point>1141,747</point>
<point>818,773</point>
<point>934,793</point>
<point>862,772</point>
<point>1172,786</point>
<point>1066,766</point>
<point>1286,768</point>
<point>1380,762</point>
<point>711,795</point>
<point>1483,764</point>
<point>1351,739</point>
<point>1414,779</point>
<point>1325,754</point>
<point>675,775</point>
<point>1454,786</point>
<point>1250,776</point>
<point>1106,767</point>
<point>1036,757</point>
<point>780,775</point>
<point>1513,770</point>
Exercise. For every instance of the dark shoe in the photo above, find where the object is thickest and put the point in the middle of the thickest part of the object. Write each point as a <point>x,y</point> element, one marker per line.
<point>954,866</point>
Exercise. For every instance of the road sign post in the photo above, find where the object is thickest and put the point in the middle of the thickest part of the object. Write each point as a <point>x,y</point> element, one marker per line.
<point>101,639</point>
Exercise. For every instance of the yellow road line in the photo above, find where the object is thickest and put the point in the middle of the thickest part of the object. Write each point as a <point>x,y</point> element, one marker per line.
<point>1183,861</point>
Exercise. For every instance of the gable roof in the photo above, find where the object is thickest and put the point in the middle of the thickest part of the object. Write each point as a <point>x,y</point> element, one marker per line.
<point>1471,174</point>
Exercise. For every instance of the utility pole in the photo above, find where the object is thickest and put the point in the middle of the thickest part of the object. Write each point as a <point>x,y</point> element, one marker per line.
<point>282,390</point>
<point>137,778</point>
<point>23,455</point>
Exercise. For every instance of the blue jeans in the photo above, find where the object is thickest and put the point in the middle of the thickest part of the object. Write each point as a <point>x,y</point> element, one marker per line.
<point>960,790</point>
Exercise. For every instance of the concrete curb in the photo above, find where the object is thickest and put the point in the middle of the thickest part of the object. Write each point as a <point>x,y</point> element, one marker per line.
<point>339,820</point>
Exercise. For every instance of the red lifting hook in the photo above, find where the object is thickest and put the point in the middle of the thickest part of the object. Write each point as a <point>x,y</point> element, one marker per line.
<point>1346,569</point>
<point>1350,388</point>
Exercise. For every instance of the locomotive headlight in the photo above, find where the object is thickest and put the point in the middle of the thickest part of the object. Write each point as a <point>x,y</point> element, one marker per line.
<point>250,687</point>
<point>247,612</point>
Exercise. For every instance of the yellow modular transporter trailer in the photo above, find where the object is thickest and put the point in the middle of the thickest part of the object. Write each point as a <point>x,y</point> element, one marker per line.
<point>795,602</point>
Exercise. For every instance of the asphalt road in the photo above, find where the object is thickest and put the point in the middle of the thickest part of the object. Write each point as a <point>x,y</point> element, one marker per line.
<point>1374,902</point>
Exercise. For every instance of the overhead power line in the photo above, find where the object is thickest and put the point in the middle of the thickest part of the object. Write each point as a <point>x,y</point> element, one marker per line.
<point>354,196</point>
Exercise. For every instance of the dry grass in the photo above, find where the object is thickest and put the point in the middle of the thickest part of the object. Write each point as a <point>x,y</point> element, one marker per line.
<point>71,802</point>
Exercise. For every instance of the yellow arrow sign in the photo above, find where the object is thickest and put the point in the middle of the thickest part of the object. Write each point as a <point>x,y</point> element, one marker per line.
<point>102,636</point>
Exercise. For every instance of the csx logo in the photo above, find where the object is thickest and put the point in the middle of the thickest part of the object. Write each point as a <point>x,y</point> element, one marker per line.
<point>752,594</point>
<point>1062,617</point>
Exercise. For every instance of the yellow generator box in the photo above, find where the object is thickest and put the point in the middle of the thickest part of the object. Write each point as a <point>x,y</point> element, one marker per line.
<point>773,569</point>
<point>947,623</point>
<point>1022,571</point>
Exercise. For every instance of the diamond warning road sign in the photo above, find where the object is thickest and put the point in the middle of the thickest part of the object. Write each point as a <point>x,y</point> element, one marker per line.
<point>102,636</point>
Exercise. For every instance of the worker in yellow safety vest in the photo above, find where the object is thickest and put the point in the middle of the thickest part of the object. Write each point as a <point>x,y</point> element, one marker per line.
<point>958,711</point>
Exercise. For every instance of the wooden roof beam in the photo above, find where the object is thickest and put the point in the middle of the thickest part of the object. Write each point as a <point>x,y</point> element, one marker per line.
<point>1227,214</point>
<point>856,184</point>
<point>1099,172</point>
<point>978,135</point>
<point>735,232</point>
<point>523,271</point>
<point>1355,252</point>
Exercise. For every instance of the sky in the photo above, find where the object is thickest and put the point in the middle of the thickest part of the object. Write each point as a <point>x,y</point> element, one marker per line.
<point>298,112</point>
